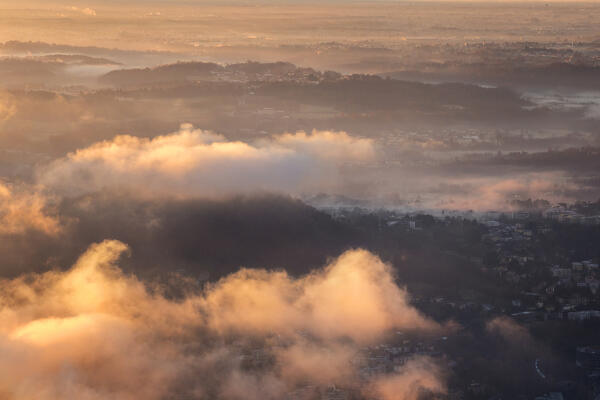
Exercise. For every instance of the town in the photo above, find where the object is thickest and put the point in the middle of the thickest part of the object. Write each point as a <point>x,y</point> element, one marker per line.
<point>543,266</point>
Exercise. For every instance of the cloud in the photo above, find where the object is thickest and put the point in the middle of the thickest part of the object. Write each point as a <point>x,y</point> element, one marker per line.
<point>325,145</point>
<point>510,330</point>
<point>85,11</point>
<point>200,163</point>
<point>8,106</point>
<point>93,332</point>
<point>23,209</point>
<point>76,334</point>
<point>244,386</point>
<point>488,193</point>
<point>322,364</point>
<point>354,297</point>
<point>418,376</point>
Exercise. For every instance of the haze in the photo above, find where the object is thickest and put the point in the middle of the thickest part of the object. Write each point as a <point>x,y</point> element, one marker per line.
<point>299,200</point>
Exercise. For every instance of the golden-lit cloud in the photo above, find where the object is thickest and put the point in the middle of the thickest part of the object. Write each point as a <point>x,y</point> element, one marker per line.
<point>496,193</point>
<point>23,209</point>
<point>322,364</point>
<point>8,106</point>
<point>417,376</point>
<point>327,145</point>
<point>94,332</point>
<point>353,297</point>
<point>78,335</point>
<point>196,162</point>
<point>85,11</point>
<point>510,330</point>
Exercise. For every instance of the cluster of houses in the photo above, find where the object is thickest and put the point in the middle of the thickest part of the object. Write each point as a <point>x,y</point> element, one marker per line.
<point>563,214</point>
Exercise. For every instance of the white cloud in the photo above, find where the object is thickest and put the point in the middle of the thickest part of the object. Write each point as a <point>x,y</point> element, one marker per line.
<point>193,162</point>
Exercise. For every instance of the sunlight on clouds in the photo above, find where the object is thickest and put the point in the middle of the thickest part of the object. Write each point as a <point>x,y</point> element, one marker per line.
<point>121,339</point>
<point>416,376</point>
<point>333,303</point>
<point>8,107</point>
<point>491,193</point>
<point>22,209</point>
<point>202,163</point>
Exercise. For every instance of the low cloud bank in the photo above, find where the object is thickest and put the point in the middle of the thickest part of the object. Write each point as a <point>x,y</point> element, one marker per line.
<point>498,193</point>
<point>193,162</point>
<point>93,332</point>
